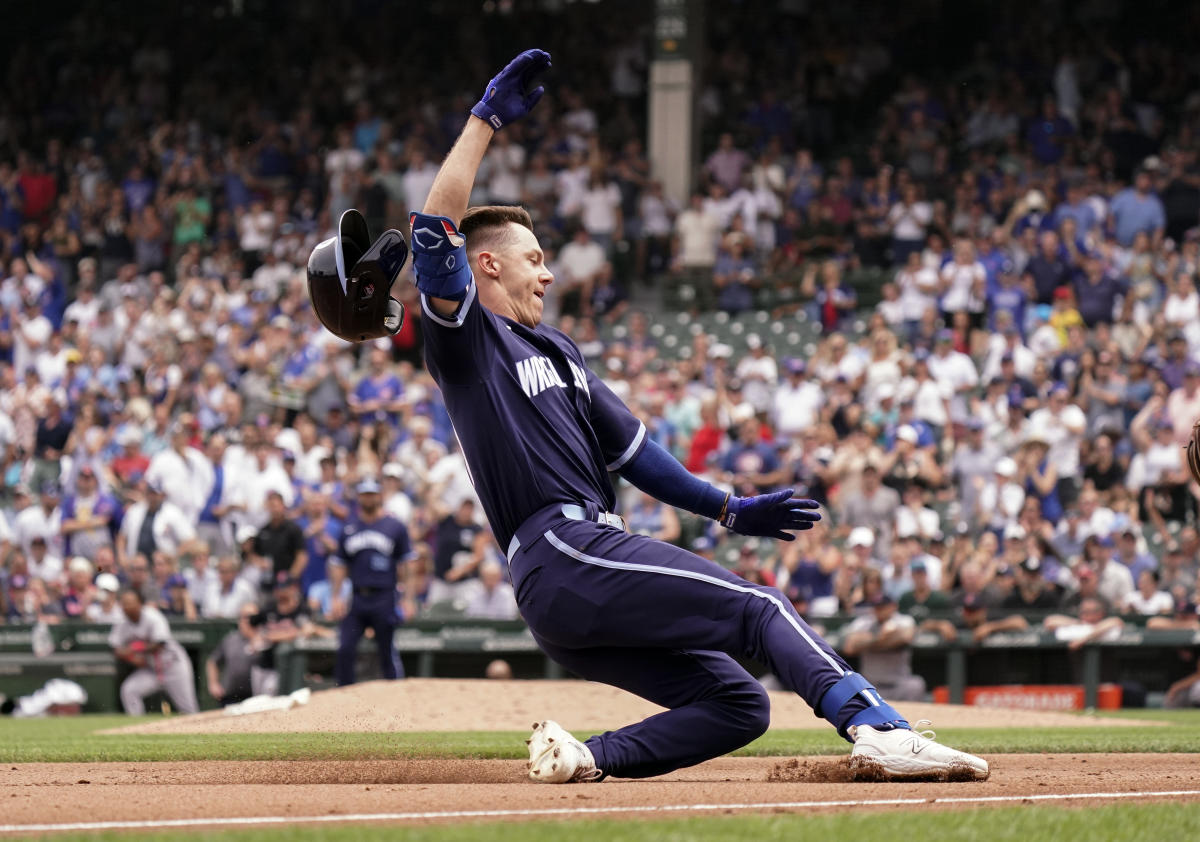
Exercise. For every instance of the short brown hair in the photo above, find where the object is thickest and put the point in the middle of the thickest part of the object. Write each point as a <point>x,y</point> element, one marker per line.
<point>486,224</point>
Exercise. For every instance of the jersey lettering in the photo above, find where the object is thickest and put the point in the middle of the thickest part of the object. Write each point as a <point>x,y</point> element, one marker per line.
<point>369,540</point>
<point>536,374</point>
<point>580,378</point>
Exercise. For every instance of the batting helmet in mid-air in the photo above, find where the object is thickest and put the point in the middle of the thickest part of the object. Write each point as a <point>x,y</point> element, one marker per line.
<point>350,280</point>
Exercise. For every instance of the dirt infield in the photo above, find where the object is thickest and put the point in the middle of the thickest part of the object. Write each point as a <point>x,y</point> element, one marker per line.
<point>429,791</point>
<point>478,705</point>
<point>76,796</point>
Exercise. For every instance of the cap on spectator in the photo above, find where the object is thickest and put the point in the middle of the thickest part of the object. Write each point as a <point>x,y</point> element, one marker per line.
<point>907,433</point>
<point>1032,565</point>
<point>938,537</point>
<point>288,456</point>
<point>1084,571</point>
<point>742,412</point>
<point>244,533</point>
<point>734,385</point>
<point>921,355</point>
<point>1183,607</point>
<point>1104,540</point>
<point>945,335</point>
<point>1006,358</point>
<point>1192,369</point>
<point>368,485</point>
<point>176,580</point>
<point>798,593</point>
<point>1004,570</point>
<point>753,341</point>
<point>860,536</point>
<point>49,488</point>
<point>79,564</point>
<point>18,582</point>
<point>795,365</point>
<point>129,436</point>
<point>1006,467</point>
<point>108,582</point>
<point>702,544</point>
<point>975,424</point>
<point>87,471</point>
<point>1014,532</point>
<point>38,539</point>
<point>285,581</point>
<point>918,566</point>
<point>1062,293</point>
<point>885,392</point>
<point>281,321</point>
<point>881,598</point>
<point>393,469</point>
<point>1042,312</point>
<point>720,351</point>
<point>72,355</point>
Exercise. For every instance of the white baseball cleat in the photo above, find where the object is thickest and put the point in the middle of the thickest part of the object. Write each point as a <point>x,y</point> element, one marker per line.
<point>899,754</point>
<point>555,757</point>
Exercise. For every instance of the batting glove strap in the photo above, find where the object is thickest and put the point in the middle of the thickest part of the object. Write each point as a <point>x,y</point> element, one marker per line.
<point>439,253</point>
<point>768,515</point>
<point>511,94</point>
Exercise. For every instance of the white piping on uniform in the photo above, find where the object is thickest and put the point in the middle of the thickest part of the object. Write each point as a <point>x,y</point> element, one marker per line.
<point>629,451</point>
<point>568,550</point>
<point>459,317</point>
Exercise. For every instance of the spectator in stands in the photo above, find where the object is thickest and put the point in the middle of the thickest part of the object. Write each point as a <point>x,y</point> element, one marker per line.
<point>1088,626</point>
<point>283,620</point>
<point>104,608</point>
<point>328,598</point>
<point>1147,599</point>
<point>1137,209</point>
<point>972,618</point>
<point>229,593</point>
<point>882,640</point>
<point>89,516</point>
<point>922,600</point>
<point>494,600</point>
<point>459,549</point>
<point>1032,592</point>
<point>280,541</point>
<point>153,525</point>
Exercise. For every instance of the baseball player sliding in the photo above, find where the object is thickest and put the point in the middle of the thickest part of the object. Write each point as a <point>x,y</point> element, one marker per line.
<point>540,434</point>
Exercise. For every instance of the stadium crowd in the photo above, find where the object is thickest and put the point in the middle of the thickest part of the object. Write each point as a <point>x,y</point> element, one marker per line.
<point>1001,431</point>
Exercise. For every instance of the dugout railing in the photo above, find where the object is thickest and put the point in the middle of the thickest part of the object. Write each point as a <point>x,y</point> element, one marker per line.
<point>1150,658</point>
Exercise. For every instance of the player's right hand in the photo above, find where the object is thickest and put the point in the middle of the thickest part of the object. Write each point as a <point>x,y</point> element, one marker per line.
<point>768,515</point>
<point>512,93</point>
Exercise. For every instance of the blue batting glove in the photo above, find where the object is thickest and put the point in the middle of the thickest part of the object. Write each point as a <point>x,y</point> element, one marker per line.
<point>768,515</point>
<point>439,253</point>
<point>511,95</point>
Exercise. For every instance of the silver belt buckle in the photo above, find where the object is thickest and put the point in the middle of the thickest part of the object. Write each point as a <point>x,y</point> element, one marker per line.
<point>615,521</point>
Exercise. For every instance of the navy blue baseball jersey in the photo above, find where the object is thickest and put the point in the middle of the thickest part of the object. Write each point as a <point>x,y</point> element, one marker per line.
<point>372,550</point>
<point>535,425</point>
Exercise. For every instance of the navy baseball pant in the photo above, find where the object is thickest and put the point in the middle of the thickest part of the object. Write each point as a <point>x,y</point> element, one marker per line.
<point>374,609</point>
<point>663,623</point>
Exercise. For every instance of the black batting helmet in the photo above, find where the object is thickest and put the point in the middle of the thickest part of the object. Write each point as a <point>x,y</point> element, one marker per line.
<point>350,280</point>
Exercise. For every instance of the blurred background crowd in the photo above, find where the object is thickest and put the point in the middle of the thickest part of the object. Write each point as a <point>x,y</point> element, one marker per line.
<point>956,304</point>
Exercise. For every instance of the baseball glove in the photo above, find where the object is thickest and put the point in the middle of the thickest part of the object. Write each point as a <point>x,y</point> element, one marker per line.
<point>1193,452</point>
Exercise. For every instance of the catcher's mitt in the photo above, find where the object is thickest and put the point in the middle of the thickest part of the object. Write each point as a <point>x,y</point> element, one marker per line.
<point>1193,452</point>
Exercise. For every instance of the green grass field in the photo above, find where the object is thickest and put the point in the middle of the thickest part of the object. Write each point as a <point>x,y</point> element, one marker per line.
<point>1008,824</point>
<point>61,740</point>
<point>75,740</point>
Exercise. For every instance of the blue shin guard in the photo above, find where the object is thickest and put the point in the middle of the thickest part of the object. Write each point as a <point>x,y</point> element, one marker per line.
<point>854,701</point>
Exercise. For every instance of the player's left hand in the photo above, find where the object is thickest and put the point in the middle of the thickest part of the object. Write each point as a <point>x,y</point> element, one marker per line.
<point>768,515</point>
<point>511,94</point>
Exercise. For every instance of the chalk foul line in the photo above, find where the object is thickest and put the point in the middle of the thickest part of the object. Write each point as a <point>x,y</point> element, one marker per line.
<point>551,812</point>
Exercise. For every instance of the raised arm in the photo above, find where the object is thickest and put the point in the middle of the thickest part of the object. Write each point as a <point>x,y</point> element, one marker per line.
<point>441,273</point>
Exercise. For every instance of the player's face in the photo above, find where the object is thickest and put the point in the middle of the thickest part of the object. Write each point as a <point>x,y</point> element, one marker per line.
<point>523,279</point>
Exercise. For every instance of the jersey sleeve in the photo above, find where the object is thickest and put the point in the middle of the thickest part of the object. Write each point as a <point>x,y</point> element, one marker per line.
<point>458,346</point>
<point>402,546</point>
<point>622,436</point>
<point>157,629</point>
